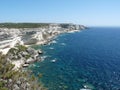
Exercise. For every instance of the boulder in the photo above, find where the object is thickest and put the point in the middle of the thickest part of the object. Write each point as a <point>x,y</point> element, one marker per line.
<point>10,80</point>
<point>30,60</point>
<point>25,65</point>
<point>24,53</point>
<point>31,51</point>
<point>40,52</point>
<point>15,87</point>
<point>18,82</point>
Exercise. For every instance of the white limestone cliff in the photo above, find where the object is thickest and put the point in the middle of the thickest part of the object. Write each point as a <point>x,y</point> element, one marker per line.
<point>9,37</point>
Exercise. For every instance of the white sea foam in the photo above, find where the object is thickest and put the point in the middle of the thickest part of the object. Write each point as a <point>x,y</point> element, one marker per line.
<point>73,31</point>
<point>85,89</point>
<point>33,65</point>
<point>54,41</point>
<point>43,58</point>
<point>54,60</point>
<point>51,48</point>
<point>63,44</point>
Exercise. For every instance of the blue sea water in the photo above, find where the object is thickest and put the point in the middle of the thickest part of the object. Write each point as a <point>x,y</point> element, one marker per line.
<point>86,59</point>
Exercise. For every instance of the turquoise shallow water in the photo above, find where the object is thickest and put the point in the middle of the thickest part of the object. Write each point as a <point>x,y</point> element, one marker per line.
<point>90,58</point>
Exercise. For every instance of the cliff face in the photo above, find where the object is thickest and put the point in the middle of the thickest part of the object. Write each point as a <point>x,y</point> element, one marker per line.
<point>9,37</point>
<point>42,35</point>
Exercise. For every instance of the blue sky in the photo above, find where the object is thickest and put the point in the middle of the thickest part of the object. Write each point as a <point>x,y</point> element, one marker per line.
<point>86,12</point>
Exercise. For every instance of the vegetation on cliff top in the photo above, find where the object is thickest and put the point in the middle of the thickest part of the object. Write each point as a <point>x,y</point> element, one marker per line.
<point>33,25</point>
<point>23,25</point>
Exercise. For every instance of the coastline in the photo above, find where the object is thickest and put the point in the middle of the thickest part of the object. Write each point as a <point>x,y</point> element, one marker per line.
<point>20,64</point>
<point>16,45</point>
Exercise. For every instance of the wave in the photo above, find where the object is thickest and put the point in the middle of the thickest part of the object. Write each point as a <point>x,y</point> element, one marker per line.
<point>43,58</point>
<point>54,60</point>
<point>63,44</point>
<point>51,48</point>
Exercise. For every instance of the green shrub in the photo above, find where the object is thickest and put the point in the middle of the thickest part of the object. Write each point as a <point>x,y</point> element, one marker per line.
<point>12,50</point>
<point>1,84</point>
<point>23,25</point>
<point>21,48</point>
<point>4,88</point>
<point>27,56</point>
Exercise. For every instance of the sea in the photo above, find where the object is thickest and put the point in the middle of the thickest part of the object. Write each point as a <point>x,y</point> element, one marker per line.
<point>85,60</point>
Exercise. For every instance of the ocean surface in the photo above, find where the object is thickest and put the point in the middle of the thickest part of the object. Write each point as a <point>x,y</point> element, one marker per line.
<point>88,59</point>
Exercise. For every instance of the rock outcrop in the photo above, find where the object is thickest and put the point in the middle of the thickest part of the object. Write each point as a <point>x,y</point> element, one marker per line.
<point>12,79</point>
<point>22,56</point>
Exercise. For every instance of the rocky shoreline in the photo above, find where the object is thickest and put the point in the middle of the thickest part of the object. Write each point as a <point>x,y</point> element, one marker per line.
<point>22,56</point>
<point>11,37</point>
<point>17,54</point>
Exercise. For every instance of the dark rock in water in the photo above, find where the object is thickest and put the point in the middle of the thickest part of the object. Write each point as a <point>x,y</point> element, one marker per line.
<point>40,52</point>
<point>38,58</point>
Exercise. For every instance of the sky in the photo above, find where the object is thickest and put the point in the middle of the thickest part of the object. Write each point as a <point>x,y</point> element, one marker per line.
<point>85,12</point>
